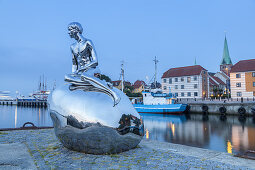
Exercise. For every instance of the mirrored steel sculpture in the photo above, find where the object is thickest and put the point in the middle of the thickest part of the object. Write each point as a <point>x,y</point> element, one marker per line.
<point>90,115</point>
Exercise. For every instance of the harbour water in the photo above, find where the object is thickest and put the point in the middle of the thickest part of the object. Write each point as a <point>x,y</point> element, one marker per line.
<point>230,135</point>
<point>15,116</point>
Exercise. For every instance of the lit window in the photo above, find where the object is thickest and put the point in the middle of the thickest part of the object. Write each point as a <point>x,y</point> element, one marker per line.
<point>176,86</point>
<point>182,86</point>
<point>238,75</point>
<point>239,94</point>
<point>176,79</point>
<point>188,79</point>
<point>195,86</point>
<point>238,84</point>
<point>189,93</point>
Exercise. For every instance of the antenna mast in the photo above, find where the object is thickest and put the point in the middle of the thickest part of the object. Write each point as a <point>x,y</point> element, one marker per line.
<point>122,75</point>
<point>155,76</point>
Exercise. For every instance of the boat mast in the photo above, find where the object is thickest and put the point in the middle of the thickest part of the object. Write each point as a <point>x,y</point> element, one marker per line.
<point>155,76</point>
<point>122,76</point>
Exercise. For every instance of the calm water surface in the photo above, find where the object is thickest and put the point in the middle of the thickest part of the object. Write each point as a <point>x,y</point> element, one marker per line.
<point>230,135</point>
<point>15,117</point>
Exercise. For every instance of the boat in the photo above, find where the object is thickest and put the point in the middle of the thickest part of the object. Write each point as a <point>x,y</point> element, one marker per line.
<point>158,102</point>
<point>154,101</point>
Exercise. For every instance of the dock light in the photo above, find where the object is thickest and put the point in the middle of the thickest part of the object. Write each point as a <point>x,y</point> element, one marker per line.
<point>147,134</point>
<point>229,147</point>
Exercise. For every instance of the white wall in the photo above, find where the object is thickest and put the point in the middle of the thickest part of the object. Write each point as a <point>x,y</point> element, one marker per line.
<point>188,87</point>
<point>234,89</point>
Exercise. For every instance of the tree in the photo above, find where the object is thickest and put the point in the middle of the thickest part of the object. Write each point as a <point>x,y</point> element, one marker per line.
<point>106,78</point>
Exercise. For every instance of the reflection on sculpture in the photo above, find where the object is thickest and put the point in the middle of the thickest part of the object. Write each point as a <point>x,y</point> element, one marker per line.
<point>85,72</point>
<point>84,117</point>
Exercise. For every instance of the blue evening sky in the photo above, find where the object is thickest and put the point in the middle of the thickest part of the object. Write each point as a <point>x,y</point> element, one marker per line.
<point>34,39</point>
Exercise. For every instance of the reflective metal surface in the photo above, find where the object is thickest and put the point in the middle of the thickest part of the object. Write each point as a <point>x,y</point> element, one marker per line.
<point>86,101</point>
<point>90,107</point>
<point>86,74</point>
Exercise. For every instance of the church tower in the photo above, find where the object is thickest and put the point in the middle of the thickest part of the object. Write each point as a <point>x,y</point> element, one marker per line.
<point>226,62</point>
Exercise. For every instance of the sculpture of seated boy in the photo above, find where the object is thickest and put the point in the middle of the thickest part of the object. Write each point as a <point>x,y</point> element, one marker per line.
<point>85,70</point>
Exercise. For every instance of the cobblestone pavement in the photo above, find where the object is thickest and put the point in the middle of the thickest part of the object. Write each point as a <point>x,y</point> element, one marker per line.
<point>48,153</point>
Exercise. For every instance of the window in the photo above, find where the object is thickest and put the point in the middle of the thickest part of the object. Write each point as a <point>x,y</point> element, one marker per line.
<point>188,79</point>
<point>253,84</point>
<point>253,74</point>
<point>254,93</point>
<point>195,93</point>
<point>176,94</point>
<point>164,80</point>
<point>238,84</point>
<point>176,79</point>
<point>170,81</point>
<point>195,86</point>
<point>195,78</point>
<point>182,78</point>
<point>164,87</point>
<point>189,93</point>
<point>176,86</point>
<point>182,86</point>
<point>238,75</point>
<point>182,94</point>
<point>239,94</point>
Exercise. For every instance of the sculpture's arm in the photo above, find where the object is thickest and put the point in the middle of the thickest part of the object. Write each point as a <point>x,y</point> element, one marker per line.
<point>74,61</point>
<point>94,60</point>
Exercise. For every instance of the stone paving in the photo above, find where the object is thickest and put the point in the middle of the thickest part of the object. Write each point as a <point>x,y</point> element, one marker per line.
<point>48,153</point>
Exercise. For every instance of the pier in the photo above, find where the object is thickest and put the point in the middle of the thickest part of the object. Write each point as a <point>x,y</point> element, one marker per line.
<point>25,103</point>
<point>244,107</point>
<point>41,150</point>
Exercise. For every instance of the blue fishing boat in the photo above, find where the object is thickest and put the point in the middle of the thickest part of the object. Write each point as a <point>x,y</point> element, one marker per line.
<point>158,102</point>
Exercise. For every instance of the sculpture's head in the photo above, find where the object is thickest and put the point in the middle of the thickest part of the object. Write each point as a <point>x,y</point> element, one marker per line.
<point>74,28</point>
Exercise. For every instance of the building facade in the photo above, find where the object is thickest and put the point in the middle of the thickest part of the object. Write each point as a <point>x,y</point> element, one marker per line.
<point>118,85</point>
<point>242,79</point>
<point>186,82</point>
<point>139,86</point>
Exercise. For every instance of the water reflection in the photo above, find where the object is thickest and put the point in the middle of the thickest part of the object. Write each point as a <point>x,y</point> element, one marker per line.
<point>15,117</point>
<point>227,134</point>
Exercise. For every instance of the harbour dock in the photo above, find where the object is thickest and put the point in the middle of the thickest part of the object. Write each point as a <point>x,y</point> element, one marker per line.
<point>42,150</point>
<point>25,103</point>
<point>221,106</point>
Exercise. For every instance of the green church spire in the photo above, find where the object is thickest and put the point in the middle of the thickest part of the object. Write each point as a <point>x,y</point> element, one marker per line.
<point>226,58</point>
<point>195,61</point>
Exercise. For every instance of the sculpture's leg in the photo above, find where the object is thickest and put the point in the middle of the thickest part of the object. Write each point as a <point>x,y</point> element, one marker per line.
<point>101,85</point>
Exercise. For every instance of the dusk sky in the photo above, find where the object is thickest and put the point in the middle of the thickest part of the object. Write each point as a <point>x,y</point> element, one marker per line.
<point>34,39</point>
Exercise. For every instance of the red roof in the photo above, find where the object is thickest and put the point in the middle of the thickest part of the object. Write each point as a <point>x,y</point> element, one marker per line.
<point>244,66</point>
<point>212,82</point>
<point>116,83</point>
<point>138,84</point>
<point>219,80</point>
<point>183,71</point>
